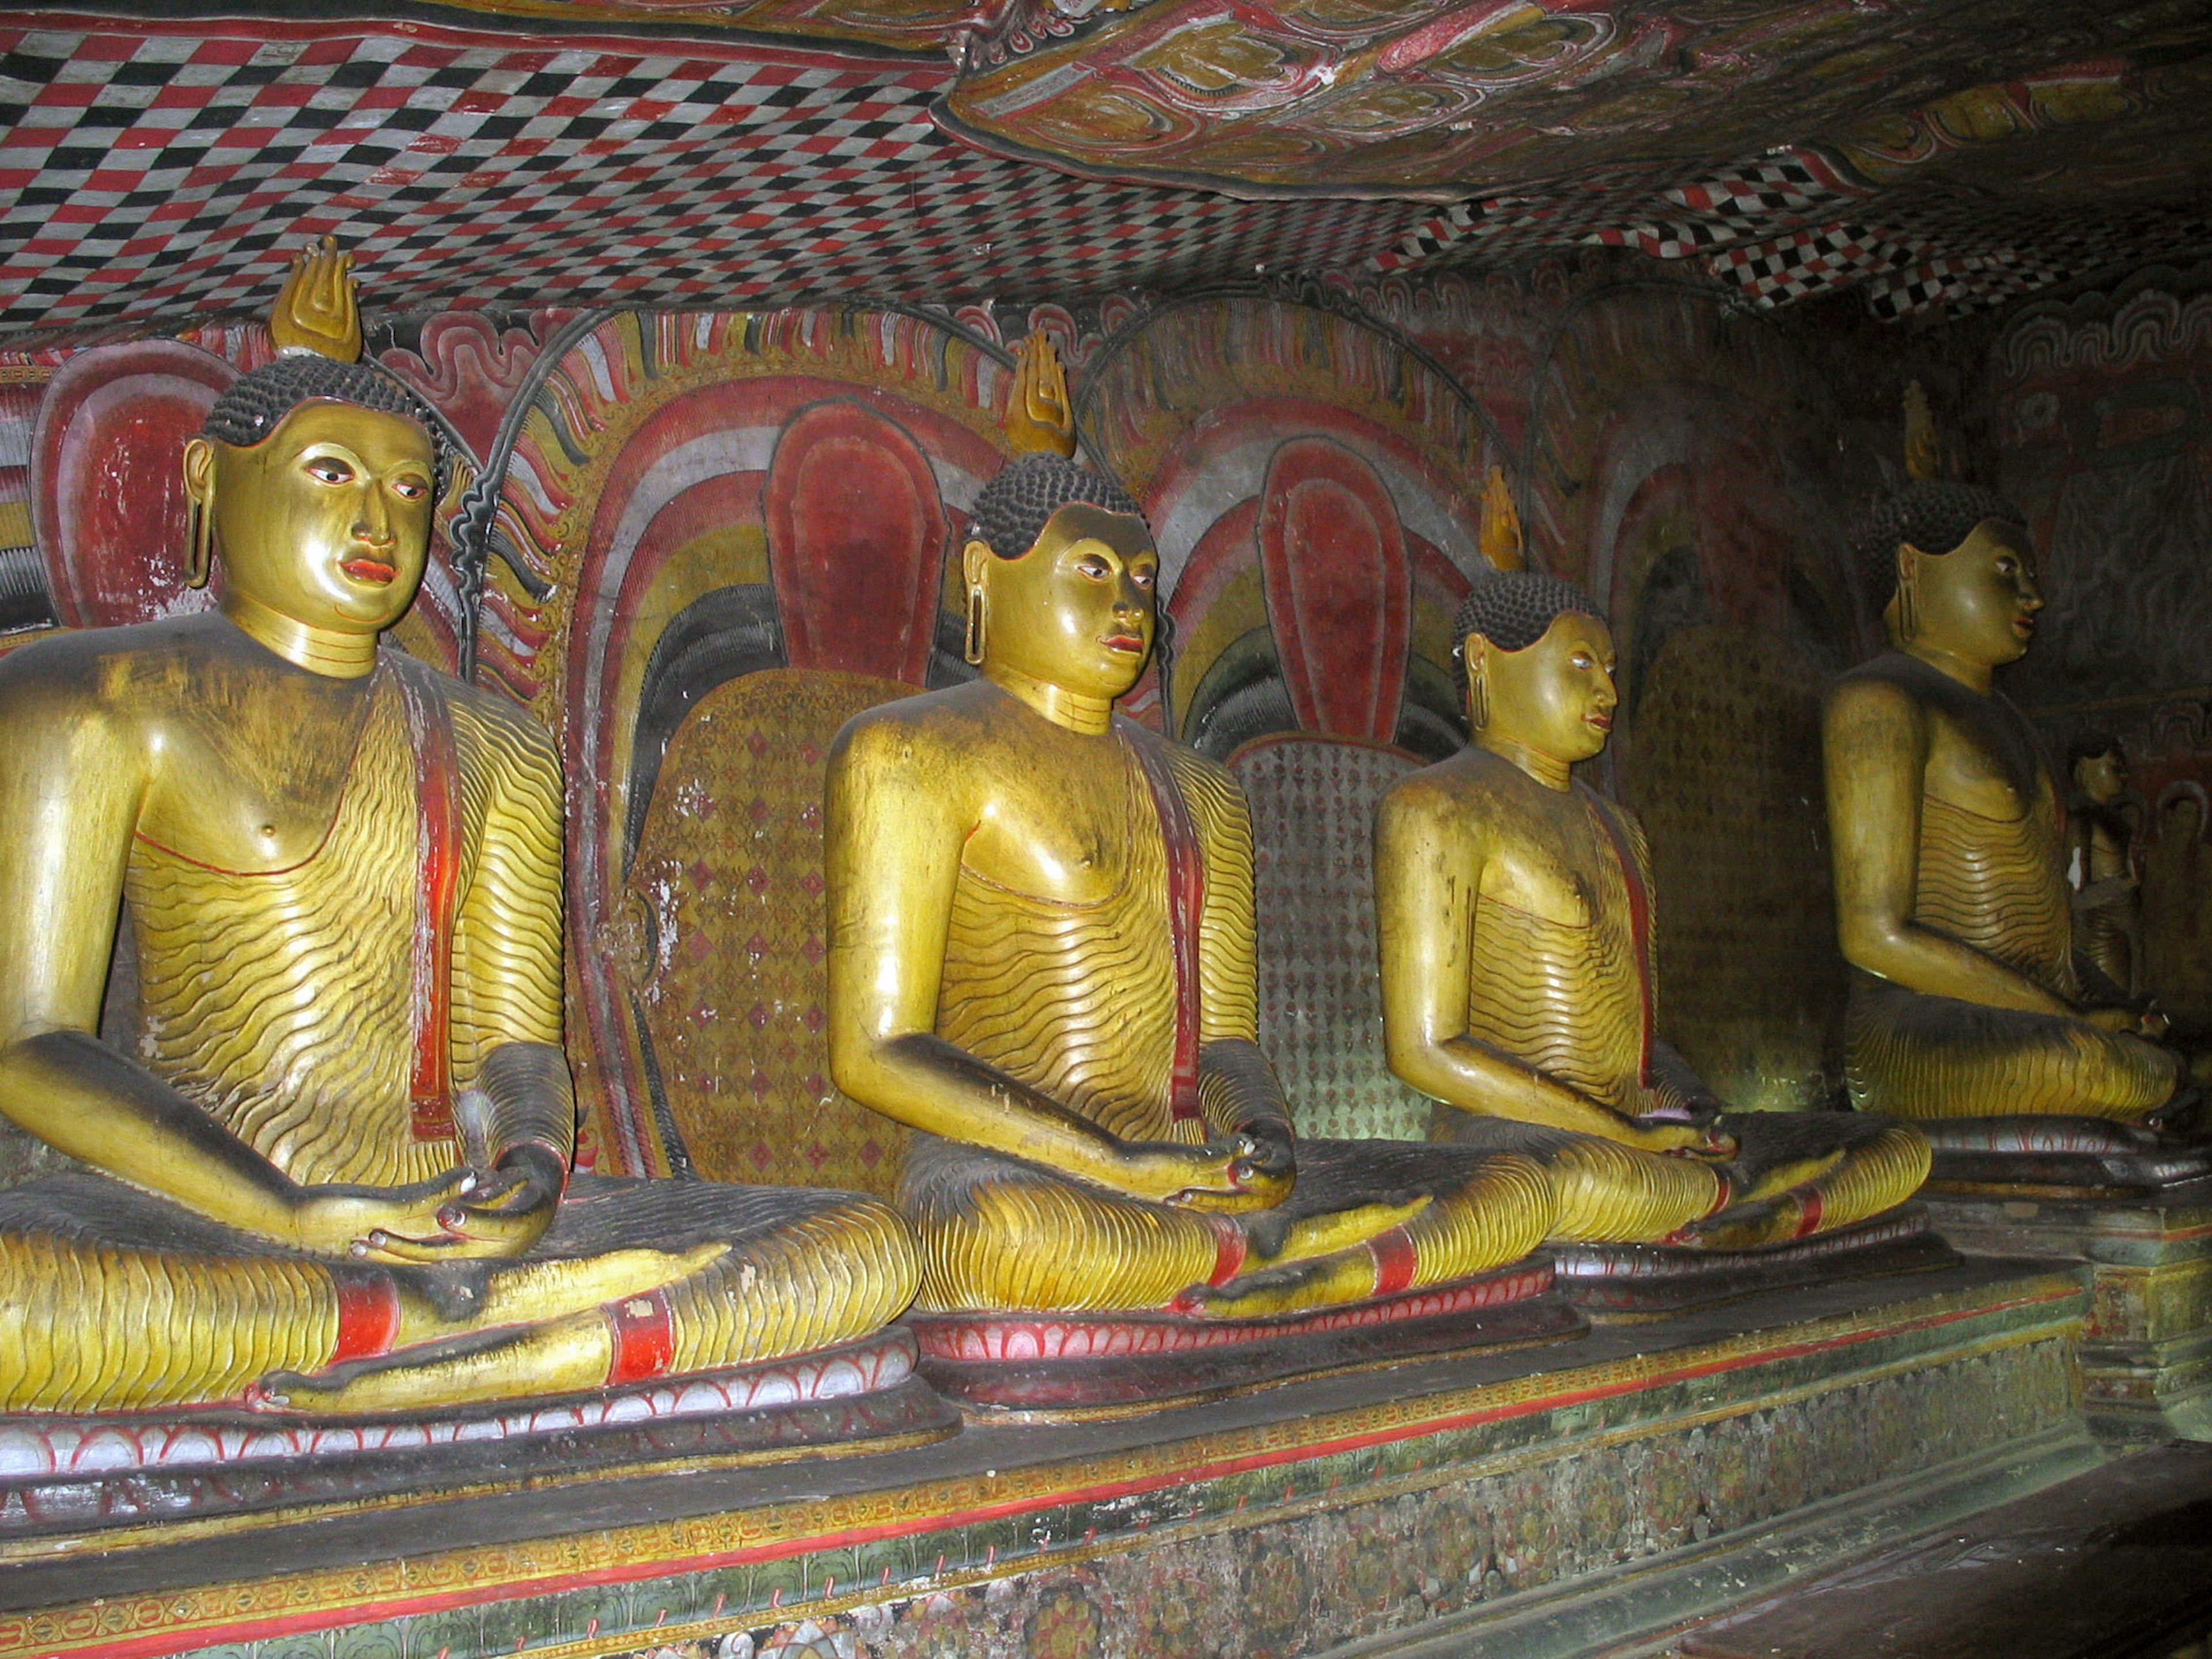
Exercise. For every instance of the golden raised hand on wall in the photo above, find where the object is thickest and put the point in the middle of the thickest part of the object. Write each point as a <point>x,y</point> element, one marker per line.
<point>1945,826</point>
<point>337,1136</point>
<point>1040,419</point>
<point>1041,956</point>
<point>1519,978</point>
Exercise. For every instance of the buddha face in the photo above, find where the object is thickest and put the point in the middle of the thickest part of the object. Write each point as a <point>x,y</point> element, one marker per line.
<point>2103,778</point>
<point>1555,696</point>
<point>327,519</point>
<point>1076,611</point>
<point>1977,602</point>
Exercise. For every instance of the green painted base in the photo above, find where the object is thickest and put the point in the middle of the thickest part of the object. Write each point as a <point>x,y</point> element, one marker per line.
<point>1385,1506</point>
<point>2147,1353</point>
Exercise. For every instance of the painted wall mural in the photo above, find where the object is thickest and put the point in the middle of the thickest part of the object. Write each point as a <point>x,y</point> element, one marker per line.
<point>1685,470</point>
<point>2100,412</point>
<point>695,543</point>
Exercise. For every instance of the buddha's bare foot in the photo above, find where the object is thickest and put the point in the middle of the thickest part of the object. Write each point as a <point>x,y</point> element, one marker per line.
<point>563,1357</point>
<point>1339,1229</point>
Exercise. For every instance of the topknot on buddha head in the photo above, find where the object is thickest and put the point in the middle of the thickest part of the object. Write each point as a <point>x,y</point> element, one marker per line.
<point>1014,507</point>
<point>255,404</point>
<point>1934,515</point>
<point>1515,609</point>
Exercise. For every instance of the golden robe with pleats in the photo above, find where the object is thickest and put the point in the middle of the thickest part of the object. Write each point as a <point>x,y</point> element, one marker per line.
<point>1577,1002</point>
<point>1080,1001</point>
<point>282,1004</point>
<point>1998,886</point>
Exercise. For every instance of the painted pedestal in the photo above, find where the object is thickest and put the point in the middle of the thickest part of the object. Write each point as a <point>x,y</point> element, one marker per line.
<point>1567,1495</point>
<point>2146,1354</point>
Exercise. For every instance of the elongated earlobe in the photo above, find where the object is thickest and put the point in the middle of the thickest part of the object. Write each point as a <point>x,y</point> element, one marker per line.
<point>199,543</point>
<point>978,621</point>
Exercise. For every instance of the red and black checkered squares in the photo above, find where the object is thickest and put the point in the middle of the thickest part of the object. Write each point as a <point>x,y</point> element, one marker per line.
<point>151,171</point>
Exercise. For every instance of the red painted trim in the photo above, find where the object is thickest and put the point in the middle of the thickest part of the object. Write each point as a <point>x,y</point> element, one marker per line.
<point>438,842</point>
<point>1395,1260</point>
<point>152,1647</point>
<point>644,1338</point>
<point>1809,1208</point>
<point>1229,1249</point>
<point>368,1315</point>
<point>1186,905</point>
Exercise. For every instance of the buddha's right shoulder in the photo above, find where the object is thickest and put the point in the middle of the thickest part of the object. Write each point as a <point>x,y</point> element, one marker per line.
<point>1444,789</point>
<point>1886,688</point>
<point>926,728</point>
<point>119,672</point>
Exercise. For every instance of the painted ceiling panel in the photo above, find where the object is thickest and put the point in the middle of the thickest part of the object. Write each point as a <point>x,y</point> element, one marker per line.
<point>522,152</point>
<point>1460,97</point>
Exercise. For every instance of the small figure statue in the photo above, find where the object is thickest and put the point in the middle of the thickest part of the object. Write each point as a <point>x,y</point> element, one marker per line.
<point>1514,909</point>
<point>1951,902</point>
<point>331,1163</point>
<point>1040,957</point>
<point>2100,862</point>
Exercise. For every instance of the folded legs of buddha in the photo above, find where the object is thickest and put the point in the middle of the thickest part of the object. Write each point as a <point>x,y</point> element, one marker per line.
<point>1041,958</point>
<point>329,1163</point>
<point>1519,983</point>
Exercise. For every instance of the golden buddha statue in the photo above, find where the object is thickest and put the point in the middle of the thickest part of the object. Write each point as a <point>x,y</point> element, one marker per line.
<point>1514,911</point>
<point>1042,958</point>
<point>331,1162</point>
<point>2100,862</point>
<point>1952,901</point>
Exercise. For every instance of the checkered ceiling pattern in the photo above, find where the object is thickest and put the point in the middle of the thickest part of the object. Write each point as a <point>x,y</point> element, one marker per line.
<point>150,174</point>
<point>152,171</point>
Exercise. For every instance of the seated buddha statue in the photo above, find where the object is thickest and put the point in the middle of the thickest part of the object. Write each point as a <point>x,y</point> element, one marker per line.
<point>1514,910</point>
<point>1948,840</point>
<point>329,1169</point>
<point>2106,889</point>
<point>1041,959</point>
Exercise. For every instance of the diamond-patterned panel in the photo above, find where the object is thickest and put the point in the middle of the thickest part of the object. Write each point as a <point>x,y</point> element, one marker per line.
<point>1321,983</point>
<point>733,990</point>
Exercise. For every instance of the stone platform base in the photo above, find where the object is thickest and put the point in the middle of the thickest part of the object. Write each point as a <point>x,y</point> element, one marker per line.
<point>1618,1284</point>
<point>70,1477</point>
<point>1072,1367</point>
<point>2146,1354</point>
<point>2053,1157</point>
<point>1382,1507</point>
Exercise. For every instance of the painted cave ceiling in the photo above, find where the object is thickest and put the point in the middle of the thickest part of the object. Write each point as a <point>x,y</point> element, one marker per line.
<point>160,161</point>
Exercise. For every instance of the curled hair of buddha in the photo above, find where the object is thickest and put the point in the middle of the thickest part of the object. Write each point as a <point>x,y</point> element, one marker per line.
<point>1934,515</point>
<point>253,405</point>
<point>1515,608</point>
<point>1013,509</point>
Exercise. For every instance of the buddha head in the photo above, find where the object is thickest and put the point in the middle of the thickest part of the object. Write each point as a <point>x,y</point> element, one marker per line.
<point>1061,574</point>
<point>313,482</point>
<point>1538,664</point>
<point>2099,766</point>
<point>1954,563</point>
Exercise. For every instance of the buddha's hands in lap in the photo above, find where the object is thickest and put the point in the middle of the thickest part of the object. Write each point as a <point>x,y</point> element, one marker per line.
<point>1224,1175</point>
<point>2126,1021</point>
<point>1681,1132</point>
<point>466,1214</point>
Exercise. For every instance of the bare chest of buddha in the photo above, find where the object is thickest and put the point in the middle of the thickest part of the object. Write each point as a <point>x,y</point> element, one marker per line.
<point>1060,958</point>
<point>1991,872</point>
<point>280,996</point>
<point>1559,976</point>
